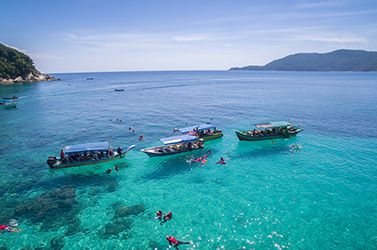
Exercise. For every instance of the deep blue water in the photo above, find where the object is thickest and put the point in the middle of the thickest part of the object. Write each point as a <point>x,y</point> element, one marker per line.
<point>321,196</point>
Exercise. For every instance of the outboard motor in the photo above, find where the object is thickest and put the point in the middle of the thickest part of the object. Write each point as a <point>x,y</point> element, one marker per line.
<point>51,160</point>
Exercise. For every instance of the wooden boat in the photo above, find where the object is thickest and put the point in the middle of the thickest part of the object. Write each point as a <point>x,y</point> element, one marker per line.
<point>204,131</point>
<point>119,89</point>
<point>8,103</point>
<point>269,131</point>
<point>8,98</point>
<point>175,145</point>
<point>87,154</point>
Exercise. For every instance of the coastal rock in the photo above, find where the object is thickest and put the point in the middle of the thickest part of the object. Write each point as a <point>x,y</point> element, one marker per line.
<point>29,78</point>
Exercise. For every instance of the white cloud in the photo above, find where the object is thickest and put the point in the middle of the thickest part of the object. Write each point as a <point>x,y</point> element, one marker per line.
<point>332,38</point>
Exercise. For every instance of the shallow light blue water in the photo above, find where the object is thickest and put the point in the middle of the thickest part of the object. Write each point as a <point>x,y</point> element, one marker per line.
<point>321,196</point>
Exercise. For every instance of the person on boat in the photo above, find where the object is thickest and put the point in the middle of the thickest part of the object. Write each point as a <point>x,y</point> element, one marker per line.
<point>141,137</point>
<point>7,228</point>
<point>159,215</point>
<point>221,161</point>
<point>62,154</point>
<point>200,143</point>
<point>119,151</point>
<point>167,217</point>
<point>175,243</point>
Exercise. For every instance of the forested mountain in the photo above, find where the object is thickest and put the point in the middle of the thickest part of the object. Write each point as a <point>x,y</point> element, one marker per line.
<point>339,60</point>
<point>14,63</point>
<point>16,67</point>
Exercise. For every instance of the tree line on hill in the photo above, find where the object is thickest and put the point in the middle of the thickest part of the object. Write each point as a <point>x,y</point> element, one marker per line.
<point>17,67</point>
<point>14,63</point>
<point>339,60</point>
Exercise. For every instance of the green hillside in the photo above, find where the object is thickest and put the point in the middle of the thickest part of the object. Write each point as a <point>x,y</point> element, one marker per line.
<point>14,63</point>
<point>339,60</point>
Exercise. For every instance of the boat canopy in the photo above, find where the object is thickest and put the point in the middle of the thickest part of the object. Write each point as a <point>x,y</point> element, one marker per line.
<point>273,125</point>
<point>178,139</point>
<point>87,147</point>
<point>200,127</point>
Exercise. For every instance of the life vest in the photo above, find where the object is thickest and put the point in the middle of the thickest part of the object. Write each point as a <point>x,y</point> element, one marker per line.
<point>172,240</point>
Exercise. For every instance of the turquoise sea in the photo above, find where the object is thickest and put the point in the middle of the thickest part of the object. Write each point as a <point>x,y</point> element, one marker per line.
<point>320,196</point>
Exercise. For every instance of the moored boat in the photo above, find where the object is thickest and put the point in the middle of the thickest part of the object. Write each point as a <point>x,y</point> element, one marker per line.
<point>269,131</point>
<point>8,103</point>
<point>13,97</point>
<point>204,131</point>
<point>175,145</point>
<point>87,154</point>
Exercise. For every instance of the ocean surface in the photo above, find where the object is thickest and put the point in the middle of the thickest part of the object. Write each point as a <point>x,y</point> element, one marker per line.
<point>268,196</point>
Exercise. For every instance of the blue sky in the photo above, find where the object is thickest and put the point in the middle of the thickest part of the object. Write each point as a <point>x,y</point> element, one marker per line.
<point>115,35</point>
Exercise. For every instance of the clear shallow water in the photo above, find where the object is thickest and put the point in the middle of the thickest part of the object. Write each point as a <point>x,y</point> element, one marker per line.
<point>321,196</point>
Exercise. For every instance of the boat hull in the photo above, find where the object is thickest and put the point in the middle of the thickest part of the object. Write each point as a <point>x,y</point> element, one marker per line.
<point>212,137</point>
<point>59,164</point>
<point>169,149</point>
<point>246,136</point>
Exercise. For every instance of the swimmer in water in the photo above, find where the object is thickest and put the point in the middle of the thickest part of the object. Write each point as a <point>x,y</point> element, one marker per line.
<point>221,161</point>
<point>9,229</point>
<point>175,243</point>
<point>141,137</point>
<point>159,215</point>
<point>167,217</point>
<point>116,168</point>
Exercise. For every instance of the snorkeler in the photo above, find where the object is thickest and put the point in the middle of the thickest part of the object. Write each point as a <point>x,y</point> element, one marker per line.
<point>159,215</point>
<point>176,243</point>
<point>221,161</point>
<point>116,168</point>
<point>167,217</point>
<point>9,229</point>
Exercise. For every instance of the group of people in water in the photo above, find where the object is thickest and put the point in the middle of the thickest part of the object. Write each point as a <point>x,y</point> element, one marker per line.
<point>164,218</point>
<point>203,159</point>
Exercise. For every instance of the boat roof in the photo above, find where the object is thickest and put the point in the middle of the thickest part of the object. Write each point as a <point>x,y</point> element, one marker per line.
<point>200,127</point>
<point>178,139</point>
<point>6,100</point>
<point>87,147</point>
<point>272,125</point>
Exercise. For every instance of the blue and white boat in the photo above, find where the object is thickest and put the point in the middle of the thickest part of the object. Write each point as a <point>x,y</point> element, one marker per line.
<point>8,103</point>
<point>87,154</point>
<point>175,145</point>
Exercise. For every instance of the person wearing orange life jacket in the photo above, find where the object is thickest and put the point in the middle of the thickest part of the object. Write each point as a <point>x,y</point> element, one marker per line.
<point>175,243</point>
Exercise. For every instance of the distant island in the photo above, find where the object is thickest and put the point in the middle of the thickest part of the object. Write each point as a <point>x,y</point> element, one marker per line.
<point>339,60</point>
<point>16,67</point>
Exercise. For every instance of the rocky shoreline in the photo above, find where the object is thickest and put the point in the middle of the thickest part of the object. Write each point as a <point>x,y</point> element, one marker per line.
<point>29,78</point>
